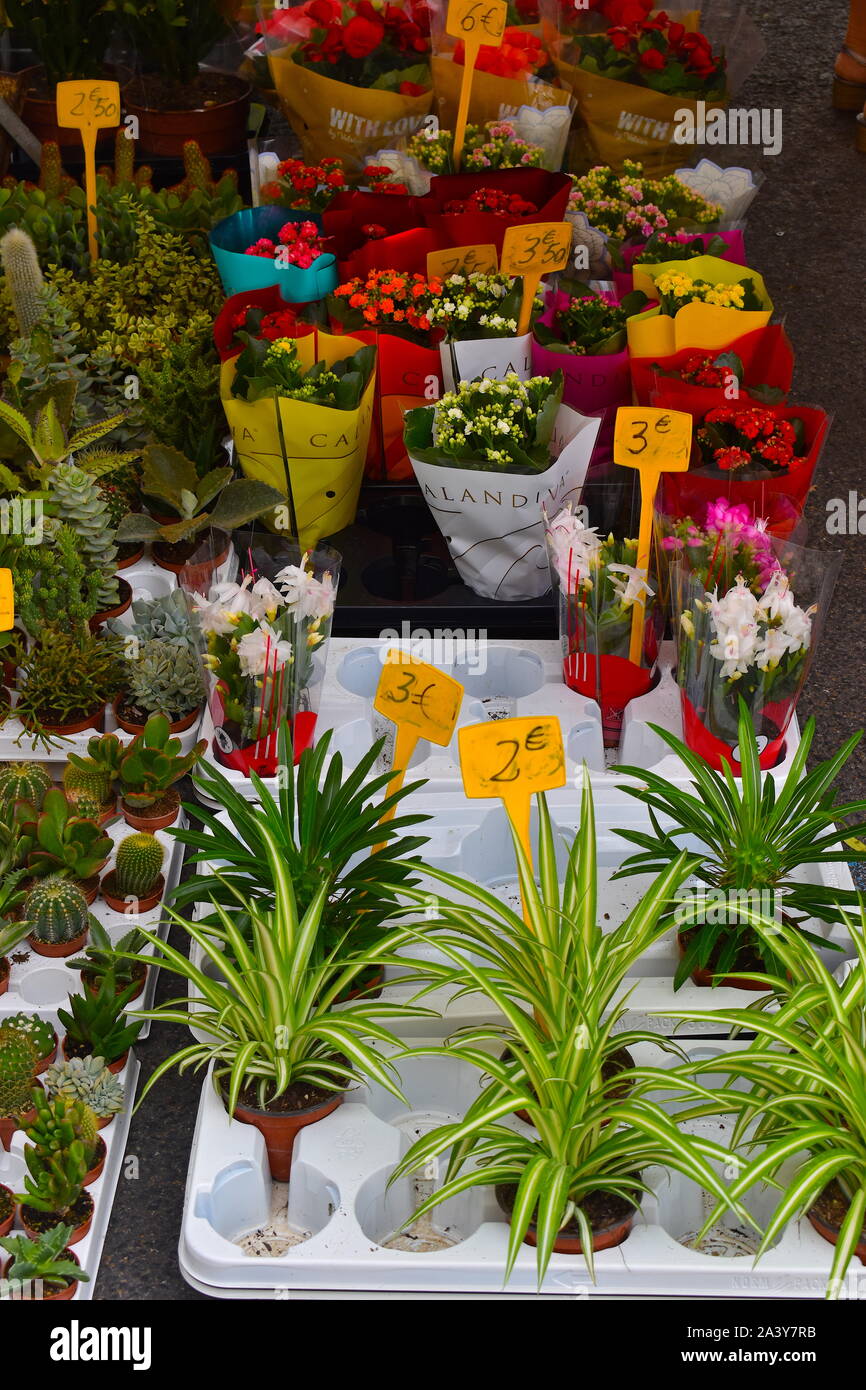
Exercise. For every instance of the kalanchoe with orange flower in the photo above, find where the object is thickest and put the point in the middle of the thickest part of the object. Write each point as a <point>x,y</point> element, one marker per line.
<point>395,302</point>
<point>311,187</point>
<point>749,442</point>
<point>382,46</point>
<point>659,53</point>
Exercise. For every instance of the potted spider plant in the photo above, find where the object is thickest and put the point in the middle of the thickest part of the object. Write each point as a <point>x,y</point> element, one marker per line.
<point>283,1055</point>
<point>804,1109</point>
<point>753,841</point>
<point>46,1263</point>
<point>571,1181</point>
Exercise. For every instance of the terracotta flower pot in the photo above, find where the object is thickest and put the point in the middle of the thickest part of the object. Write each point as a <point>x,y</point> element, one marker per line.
<point>604,1237</point>
<point>131,726</point>
<point>165,562</point>
<point>75,726</point>
<point>7,1199</point>
<point>219,128</point>
<point>279,1130</point>
<point>118,903</point>
<point>703,975</point>
<point>9,1124</point>
<point>53,1295</point>
<point>91,984</point>
<point>90,886</point>
<point>126,563</point>
<point>94,1172</point>
<point>5,969</point>
<point>106,613</point>
<point>115,1067</point>
<point>82,1212</point>
<point>826,1226</point>
<point>58,949</point>
<point>140,820</point>
<point>40,114</point>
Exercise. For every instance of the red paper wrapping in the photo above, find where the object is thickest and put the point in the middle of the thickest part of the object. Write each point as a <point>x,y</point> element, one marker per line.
<point>766,354</point>
<point>698,737</point>
<point>549,192</point>
<point>270,299</point>
<point>612,681</point>
<point>404,248</point>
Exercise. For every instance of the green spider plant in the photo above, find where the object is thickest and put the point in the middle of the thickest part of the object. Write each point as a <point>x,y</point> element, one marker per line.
<point>557,982</point>
<point>806,1106</point>
<point>751,839</point>
<point>269,1019</point>
<point>325,825</point>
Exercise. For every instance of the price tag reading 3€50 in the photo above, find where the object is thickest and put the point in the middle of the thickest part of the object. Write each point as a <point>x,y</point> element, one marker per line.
<point>532,250</point>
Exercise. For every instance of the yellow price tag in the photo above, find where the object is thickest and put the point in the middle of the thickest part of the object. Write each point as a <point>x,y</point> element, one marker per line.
<point>462,260</point>
<point>476,22</point>
<point>534,249</point>
<point>88,107</point>
<point>422,701</point>
<point>654,442</point>
<point>513,759</point>
<point>7,601</point>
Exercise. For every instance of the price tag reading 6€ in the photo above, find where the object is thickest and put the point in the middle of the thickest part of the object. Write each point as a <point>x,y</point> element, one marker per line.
<point>479,20</point>
<point>7,601</point>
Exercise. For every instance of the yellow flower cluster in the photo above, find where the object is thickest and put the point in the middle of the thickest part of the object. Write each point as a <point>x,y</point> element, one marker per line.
<point>674,285</point>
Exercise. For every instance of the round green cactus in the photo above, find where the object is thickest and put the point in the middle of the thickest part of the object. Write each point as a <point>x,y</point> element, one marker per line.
<point>18,1062</point>
<point>56,910</point>
<point>83,805</point>
<point>79,783</point>
<point>23,782</point>
<point>36,1028</point>
<point>138,865</point>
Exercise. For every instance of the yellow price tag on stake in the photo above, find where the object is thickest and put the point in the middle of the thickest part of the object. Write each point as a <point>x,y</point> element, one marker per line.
<point>423,702</point>
<point>512,759</point>
<point>654,442</point>
<point>7,601</point>
<point>88,107</point>
<point>462,260</point>
<point>476,22</point>
<point>534,249</point>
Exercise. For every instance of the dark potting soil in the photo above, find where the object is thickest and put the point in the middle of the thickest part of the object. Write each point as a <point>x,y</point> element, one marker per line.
<point>42,1221</point>
<point>300,1096</point>
<point>177,552</point>
<point>161,807</point>
<point>7,1204</point>
<point>601,1209</point>
<point>832,1207</point>
<point>137,970</point>
<point>207,89</point>
<point>4,968</point>
<point>83,1049</point>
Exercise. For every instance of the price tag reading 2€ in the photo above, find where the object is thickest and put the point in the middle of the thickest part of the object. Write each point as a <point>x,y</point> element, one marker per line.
<point>476,22</point>
<point>7,601</point>
<point>534,249</point>
<point>512,759</point>
<point>462,260</point>
<point>89,107</point>
<point>422,701</point>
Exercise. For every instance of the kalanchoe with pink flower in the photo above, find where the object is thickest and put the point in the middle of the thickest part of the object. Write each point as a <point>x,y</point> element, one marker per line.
<point>588,324</point>
<point>630,206</point>
<point>300,244</point>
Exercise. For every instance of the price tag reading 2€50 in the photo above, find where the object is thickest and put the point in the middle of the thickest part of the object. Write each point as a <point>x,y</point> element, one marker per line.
<point>88,107</point>
<point>422,701</point>
<point>512,759</point>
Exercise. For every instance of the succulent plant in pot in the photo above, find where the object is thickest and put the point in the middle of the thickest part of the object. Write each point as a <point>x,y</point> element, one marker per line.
<point>18,1061</point>
<point>66,844</point>
<point>58,589</point>
<point>282,1053</point>
<point>40,1032</point>
<point>66,683</point>
<point>105,957</point>
<point>149,769</point>
<point>11,930</point>
<point>96,1026</point>
<point>136,883</point>
<point>80,503</point>
<point>57,916</point>
<point>754,842</point>
<point>24,781</point>
<point>216,502</point>
<point>161,679</point>
<point>87,1079</point>
<point>63,1138</point>
<point>46,1264</point>
<point>93,774</point>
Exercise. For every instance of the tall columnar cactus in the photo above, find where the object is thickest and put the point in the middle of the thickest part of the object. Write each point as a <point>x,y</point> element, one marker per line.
<point>138,864</point>
<point>56,910</point>
<point>18,1062</point>
<point>82,505</point>
<point>24,279</point>
<point>23,782</point>
<point>80,782</point>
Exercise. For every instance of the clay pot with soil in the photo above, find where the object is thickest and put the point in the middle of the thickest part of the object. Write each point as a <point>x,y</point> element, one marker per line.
<point>300,1105</point>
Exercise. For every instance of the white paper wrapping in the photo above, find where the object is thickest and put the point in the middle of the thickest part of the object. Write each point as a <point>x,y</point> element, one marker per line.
<point>491,357</point>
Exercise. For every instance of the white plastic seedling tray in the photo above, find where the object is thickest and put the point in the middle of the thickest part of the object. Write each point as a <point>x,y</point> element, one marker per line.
<point>42,984</point>
<point>519,678</point>
<point>336,1227</point>
<point>88,1250</point>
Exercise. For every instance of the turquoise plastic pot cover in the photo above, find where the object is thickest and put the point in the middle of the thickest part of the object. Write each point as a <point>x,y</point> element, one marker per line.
<point>240,273</point>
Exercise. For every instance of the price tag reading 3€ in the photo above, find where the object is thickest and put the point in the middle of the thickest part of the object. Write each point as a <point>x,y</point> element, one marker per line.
<point>423,702</point>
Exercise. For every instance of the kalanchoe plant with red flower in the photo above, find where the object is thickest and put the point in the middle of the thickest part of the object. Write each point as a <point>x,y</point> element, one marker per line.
<point>381,46</point>
<point>395,302</point>
<point>658,53</point>
<point>301,243</point>
<point>493,200</point>
<point>264,323</point>
<point>720,371</point>
<point>749,442</point>
<point>307,186</point>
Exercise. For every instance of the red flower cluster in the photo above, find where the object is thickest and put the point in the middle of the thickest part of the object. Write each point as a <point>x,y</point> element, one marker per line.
<point>752,437</point>
<point>301,244</point>
<point>359,29</point>
<point>300,185</point>
<point>378,176</point>
<point>279,324</point>
<point>656,44</point>
<point>495,201</point>
<point>700,369</point>
<point>390,297</point>
<point>521,55</point>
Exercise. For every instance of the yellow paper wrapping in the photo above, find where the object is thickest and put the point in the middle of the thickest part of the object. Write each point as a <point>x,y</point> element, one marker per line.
<point>623,121</point>
<point>492,98</point>
<point>326,448</point>
<point>653,334</point>
<point>335,119</point>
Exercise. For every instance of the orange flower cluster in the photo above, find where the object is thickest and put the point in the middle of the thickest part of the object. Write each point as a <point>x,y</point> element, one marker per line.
<point>389,297</point>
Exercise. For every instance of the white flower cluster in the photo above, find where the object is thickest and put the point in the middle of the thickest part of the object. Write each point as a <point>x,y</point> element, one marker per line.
<point>757,631</point>
<point>578,552</point>
<point>296,595</point>
<point>481,412</point>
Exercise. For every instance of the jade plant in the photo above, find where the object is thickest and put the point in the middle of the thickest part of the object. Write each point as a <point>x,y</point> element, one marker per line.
<point>152,764</point>
<point>18,1062</point>
<point>87,1079</point>
<point>753,840</point>
<point>56,911</point>
<point>213,501</point>
<point>95,1023</point>
<point>46,1260</point>
<point>62,1145</point>
<point>104,958</point>
<point>64,842</point>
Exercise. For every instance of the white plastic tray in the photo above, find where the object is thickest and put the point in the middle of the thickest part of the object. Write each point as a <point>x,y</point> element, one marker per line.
<point>42,984</point>
<point>521,678</point>
<point>88,1250</point>
<point>332,1229</point>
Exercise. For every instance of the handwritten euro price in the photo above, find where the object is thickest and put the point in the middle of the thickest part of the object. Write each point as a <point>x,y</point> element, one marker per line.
<point>419,695</point>
<point>540,247</point>
<point>462,260</point>
<point>481,20</point>
<point>648,436</point>
<point>7,601</point>
<point>83,105</point>
<point>512,756</point>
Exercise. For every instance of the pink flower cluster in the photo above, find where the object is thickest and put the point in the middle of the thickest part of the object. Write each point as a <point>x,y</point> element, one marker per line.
<point>302,243</point>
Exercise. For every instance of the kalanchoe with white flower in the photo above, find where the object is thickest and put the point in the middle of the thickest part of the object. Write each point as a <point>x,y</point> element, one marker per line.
<point>488,424</point>
<point>477,305</point>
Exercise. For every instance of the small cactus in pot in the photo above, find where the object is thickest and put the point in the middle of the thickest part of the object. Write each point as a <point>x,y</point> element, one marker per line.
<point>39,1031</point>
<point>89,790</point>
<point>135,884</point>
<point>23,782</point>
<point>57,915</point>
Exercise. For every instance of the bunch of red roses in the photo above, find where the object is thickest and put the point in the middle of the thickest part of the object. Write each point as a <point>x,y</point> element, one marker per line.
<point>301,243</point>
<point>387,299</point>
<point>362,43</point>
<point>495,201</point>
<point>749,441</point>
<point>309,186</point>
<point>658,53</point>
<point>520,56</point>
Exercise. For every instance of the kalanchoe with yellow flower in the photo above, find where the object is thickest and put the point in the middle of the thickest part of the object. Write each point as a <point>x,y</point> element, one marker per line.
<point>486,424</point>
<point>274,369</point>
<point>675,289</point>
<point>477,305</point>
